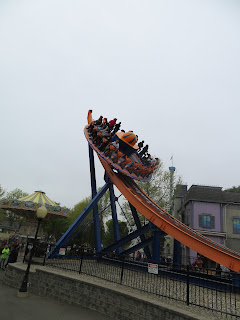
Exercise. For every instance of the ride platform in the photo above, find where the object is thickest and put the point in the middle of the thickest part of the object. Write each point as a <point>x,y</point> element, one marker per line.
<point>124,148</point>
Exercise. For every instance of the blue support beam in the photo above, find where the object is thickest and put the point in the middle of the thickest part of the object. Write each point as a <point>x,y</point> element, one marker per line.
<point>235,281</point>
<point>157,237</point>
<point>126,239</point>
<point>114,217</point>
<point>138,246</point>
<point>67,235</point>
<point>176,254</point>
<point>97,232</point>
<point>138,225</point>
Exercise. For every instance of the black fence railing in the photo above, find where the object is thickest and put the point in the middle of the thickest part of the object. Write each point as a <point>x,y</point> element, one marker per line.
<point>219,293</point>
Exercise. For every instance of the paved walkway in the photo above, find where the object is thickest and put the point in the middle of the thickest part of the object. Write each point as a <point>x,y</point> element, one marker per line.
<point>38,308</point>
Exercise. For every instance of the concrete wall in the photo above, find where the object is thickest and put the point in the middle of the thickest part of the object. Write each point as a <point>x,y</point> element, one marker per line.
<point>110,299</point>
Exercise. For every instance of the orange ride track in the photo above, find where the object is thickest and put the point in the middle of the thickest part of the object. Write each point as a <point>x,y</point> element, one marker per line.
<point>168,223</point>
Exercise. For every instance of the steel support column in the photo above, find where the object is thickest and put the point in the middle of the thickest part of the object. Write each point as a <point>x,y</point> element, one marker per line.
<point>176,254</point>
<point>126,239</point>
<point>114,217</point>
<point>157,237</point>
<point>138,246</point>
<point>97,233</point>
<point>138,225</point>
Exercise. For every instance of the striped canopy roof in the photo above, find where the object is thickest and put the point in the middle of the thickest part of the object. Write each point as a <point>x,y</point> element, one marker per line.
<point>38,197</point>
<point>29,205</point>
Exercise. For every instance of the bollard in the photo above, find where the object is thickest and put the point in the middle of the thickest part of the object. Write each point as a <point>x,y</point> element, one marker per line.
<point>80,268</point>
<point>188,285</point>
<point>122,270</point>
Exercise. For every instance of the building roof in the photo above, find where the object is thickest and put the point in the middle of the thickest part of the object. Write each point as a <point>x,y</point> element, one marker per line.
<point>205,193</point>
<point>231,197</point>
<point>211,194</point>
<point>180,190</point>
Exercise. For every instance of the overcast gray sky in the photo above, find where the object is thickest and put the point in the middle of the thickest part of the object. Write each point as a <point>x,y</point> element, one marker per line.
<point>168,70</point>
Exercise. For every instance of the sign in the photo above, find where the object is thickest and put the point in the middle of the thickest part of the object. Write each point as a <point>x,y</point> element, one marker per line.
<point>62,251</point>
<point>152,268</point>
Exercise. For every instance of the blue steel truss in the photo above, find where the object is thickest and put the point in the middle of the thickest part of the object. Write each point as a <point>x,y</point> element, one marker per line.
<point>117,245</point>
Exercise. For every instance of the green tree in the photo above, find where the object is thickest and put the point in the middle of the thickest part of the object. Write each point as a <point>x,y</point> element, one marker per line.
<point>2,192</point>
<point>55,227</point>
<point>109,234</point>
<point>16,194</point>
<point>8,215</point>
<point>158,189</point>
<point>233,189</point>
<point>2,212</point>
<point>85,232</point>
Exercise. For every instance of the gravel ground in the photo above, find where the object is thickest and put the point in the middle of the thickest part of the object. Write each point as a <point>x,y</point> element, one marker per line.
<point>171,292</point>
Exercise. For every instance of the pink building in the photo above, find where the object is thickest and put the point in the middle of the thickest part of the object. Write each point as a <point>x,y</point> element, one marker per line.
<point>212,212</point>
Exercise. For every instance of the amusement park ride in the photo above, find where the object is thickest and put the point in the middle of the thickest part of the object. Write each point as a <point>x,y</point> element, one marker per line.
<point>122,166</point>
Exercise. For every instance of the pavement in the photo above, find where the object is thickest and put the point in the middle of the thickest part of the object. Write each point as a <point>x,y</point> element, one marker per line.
<point>38,308</point>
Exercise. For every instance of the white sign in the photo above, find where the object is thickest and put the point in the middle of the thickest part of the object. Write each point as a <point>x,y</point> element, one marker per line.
<point>153,268</point>
<point>62,251</point>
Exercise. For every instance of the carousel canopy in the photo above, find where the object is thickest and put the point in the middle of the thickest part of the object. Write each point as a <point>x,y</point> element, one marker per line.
<point>38,197</point>
<point>26,206</point>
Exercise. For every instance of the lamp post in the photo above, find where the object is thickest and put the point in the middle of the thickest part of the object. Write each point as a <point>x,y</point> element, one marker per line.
<point>41,214</point>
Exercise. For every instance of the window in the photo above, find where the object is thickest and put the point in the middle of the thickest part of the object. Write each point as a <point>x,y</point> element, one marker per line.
<point>206,221</point>
<point>236,225</point>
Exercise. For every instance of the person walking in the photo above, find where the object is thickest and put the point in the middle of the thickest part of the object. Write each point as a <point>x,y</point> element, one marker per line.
<point>13,255</point>
<point>4,256</point>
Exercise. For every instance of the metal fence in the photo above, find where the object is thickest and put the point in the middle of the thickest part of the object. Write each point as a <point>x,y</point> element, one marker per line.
<point>205,288</point>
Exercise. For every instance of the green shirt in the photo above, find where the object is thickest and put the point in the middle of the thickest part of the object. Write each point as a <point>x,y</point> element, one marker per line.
<point>5,253</point>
